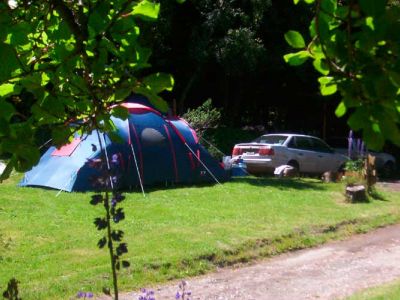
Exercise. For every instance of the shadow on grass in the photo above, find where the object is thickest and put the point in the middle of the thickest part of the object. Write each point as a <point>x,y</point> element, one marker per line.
<point>278,183</point>
<point>283,183</point>
<point>376,195</point>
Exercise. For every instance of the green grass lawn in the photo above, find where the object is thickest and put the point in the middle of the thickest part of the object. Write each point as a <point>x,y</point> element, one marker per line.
<point>390,291</point>
<point>49,243</point>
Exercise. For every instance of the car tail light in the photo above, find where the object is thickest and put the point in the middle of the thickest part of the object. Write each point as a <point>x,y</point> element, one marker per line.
<point>237,151</point>
<point>266,151</point>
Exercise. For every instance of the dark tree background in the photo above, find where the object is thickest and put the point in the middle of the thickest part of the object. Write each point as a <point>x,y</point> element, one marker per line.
<point>231,51</point>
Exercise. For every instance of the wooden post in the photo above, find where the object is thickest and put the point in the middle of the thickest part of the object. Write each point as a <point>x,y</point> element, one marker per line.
<point>370,172</point>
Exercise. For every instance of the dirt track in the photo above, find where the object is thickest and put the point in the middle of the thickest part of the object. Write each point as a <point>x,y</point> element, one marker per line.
<point>331,271</point>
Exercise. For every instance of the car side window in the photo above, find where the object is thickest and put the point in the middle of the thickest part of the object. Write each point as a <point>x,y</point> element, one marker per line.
<point>299,142</point>
<point>292,143</point>
<point>320,146</point>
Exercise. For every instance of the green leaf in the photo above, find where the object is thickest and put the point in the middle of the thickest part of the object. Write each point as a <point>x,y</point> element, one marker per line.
<point>369,21</point>
<point>159,82</point>
<point>329,6</point>
<point>154,99</point>
<point>342,12</point>
<point>359,119</point>
<point>147,10</point>
<point>325,79</point>
<point>6,110</point>
<point>45,79</point>
<point>312,28</point>
<point>341,110</point>
<point>89,53</point>
<point>18,35</point>
<point>394,78</point>
<point>309,1</point>
<point>120,112</point>
<point>296,59</point>
<point>180,1</point>
<point>98,19</point>
<point>7,171</point>
<point>294,39</point>
<point>9,63</point>
<point>27,158</point>
<point>327,85</point>
<point>373,138</point>
<point>8,89</point>
<point>373,7</point>
<point>327,90</point>
<point>321,66</point>
<point>296,1</point>
<point>61,135</point>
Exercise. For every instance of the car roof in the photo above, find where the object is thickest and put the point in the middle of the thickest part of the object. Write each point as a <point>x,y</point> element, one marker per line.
<point>290,134</point>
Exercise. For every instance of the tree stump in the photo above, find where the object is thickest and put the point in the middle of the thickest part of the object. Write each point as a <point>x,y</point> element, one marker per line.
<point>356,193</point>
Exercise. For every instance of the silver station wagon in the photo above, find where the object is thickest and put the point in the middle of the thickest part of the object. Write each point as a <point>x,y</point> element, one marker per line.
<point>308,154</point>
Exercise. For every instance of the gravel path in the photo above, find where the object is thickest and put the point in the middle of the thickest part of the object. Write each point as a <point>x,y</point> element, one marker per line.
<point>331,271</point>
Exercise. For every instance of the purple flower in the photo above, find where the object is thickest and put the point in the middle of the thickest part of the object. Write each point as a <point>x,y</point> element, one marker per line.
<point>178,295</point>
<point>89,295</point>
<point>147,295</point>
<point>80,294</point>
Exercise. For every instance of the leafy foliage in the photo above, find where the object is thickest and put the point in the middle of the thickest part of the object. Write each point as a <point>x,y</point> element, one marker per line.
<point>203,117</point>
<point>354,46</point>
<point>355,165</point>
<point>76,58</point>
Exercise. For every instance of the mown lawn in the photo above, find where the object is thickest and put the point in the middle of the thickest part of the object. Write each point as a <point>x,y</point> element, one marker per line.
<point>390,291</point>
<point>49,243</point>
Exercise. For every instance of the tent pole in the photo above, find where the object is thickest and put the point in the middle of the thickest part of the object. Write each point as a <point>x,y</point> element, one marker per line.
<point>63,188</point>
<point>137,170</point>
<point>198,158</point>
<point>190,149</point>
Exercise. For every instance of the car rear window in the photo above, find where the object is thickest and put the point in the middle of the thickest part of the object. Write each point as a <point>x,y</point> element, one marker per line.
<point>271,139</point>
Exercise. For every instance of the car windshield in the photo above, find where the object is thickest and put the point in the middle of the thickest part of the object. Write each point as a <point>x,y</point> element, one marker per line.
<point>271,139</point>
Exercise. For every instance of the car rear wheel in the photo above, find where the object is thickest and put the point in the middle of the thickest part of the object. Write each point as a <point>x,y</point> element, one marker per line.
<point>294,164</point>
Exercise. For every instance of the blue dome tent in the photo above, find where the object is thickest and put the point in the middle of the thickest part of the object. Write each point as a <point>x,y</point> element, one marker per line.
<point>155,149</point>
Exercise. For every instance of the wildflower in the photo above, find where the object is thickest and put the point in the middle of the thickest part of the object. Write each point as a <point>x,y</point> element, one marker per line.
<point>147,295</point>
<point>84,295</point>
